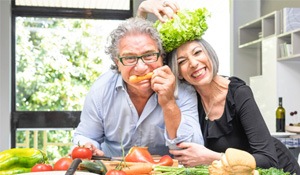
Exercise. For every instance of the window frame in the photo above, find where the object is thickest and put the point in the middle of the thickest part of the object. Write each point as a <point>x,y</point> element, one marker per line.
<point>50,119</point>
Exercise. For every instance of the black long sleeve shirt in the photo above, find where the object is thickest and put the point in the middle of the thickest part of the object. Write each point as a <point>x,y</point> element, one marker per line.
<point>242,126</point>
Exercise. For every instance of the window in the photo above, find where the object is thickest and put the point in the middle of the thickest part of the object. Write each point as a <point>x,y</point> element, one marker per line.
<point>57,53</point>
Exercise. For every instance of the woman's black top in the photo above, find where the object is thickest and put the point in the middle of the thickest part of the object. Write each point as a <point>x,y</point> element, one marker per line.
<point>243,127</point>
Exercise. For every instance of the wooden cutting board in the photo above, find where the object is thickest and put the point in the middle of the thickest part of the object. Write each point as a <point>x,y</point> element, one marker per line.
<point>113,164</point>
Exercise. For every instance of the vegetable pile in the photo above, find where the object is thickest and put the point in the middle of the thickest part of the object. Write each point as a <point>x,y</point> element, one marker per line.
<point>23,160</point>
<point>137,161</point>
<point>187,25</point>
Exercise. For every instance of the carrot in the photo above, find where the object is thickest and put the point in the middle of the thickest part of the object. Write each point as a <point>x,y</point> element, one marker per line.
<point>137,168</point>
<point>130,168</point>
<point>136,79</point>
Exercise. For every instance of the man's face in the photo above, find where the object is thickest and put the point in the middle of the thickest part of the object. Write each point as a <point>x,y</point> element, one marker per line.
<point>137,45</point>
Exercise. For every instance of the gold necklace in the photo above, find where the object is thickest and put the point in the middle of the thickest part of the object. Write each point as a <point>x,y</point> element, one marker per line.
<point>207,112</point>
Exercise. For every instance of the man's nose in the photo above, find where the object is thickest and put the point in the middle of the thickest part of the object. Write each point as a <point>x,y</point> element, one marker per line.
<point>140,64</point>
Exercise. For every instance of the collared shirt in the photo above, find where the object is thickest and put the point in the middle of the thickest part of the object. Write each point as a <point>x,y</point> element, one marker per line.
<point>110,121</point>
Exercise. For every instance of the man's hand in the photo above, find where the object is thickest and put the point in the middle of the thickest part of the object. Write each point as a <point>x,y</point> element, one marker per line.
<point>94,149</point>
<point>163,83</point>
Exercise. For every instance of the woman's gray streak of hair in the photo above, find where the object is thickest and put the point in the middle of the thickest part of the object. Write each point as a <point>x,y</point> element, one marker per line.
<point>134,25</point>
<point>173,64</point>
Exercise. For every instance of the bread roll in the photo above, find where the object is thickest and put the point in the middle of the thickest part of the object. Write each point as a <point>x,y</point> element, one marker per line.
<point>240,161</point>
<point>233,162</point>
<point>216,168</point>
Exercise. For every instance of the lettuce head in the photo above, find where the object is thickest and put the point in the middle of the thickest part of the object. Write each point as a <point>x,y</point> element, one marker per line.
<point>186,25</point>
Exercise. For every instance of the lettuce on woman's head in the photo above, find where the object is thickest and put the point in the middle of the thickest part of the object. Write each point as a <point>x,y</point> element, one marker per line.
<point>187,25</point>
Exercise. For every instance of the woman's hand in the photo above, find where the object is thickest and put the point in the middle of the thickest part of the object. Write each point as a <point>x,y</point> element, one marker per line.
<point>192,154</point>
<point>94,149</point>
<point>159,8</point>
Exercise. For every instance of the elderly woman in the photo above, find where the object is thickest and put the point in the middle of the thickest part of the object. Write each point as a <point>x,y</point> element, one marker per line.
<point>228,114</point>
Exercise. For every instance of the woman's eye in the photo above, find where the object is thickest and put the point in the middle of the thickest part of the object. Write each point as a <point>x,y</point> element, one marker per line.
<point>181,61</point>
<point>198,52</point>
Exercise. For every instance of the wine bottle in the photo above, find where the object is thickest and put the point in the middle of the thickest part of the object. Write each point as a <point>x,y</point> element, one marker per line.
<point>280,117</point>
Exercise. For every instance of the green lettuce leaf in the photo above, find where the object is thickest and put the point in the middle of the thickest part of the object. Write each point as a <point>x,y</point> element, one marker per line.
<point>187,25</point>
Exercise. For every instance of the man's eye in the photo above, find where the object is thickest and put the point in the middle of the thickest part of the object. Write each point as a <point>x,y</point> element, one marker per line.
<point>130,58</point>
<point>148,55</point>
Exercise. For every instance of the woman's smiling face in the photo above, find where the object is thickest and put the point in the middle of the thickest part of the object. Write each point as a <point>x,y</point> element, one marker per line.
<point>194,65</point>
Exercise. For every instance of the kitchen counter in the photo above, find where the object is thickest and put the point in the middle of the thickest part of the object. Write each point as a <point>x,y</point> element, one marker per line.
<point>290,140</point>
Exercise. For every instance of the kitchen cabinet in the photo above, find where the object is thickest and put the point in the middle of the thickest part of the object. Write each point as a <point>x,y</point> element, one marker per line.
<point>252,33</point>
<point>278,65</point>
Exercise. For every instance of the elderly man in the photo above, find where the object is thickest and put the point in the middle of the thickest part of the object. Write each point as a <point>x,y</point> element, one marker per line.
<point>133,104</point>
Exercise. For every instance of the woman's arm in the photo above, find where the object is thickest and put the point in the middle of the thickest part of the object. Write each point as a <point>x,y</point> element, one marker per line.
<point>255,128</point>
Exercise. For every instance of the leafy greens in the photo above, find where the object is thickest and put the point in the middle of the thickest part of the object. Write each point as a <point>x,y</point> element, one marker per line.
<point>187,25</point>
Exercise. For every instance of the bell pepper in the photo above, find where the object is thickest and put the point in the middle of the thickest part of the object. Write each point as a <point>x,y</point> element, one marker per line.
<point>141,154</point>
<point>15,170</point>
<point>21,157</point>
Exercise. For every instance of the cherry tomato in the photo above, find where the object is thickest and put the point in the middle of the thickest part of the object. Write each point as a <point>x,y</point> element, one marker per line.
<point>63,163</point>
<point>115,172</point>
<point>41,167</point>
<point>81,153</point>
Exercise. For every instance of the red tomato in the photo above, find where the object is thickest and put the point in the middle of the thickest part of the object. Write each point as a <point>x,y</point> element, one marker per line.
<point>63,163</point>
<point>81,153</point>
<point>115,172</point>
<point>165,160</point>
<point>41,167</point>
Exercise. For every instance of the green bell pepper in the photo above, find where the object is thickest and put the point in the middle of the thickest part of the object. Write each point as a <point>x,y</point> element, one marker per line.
<point>15,170</point>
<point>21,157</point>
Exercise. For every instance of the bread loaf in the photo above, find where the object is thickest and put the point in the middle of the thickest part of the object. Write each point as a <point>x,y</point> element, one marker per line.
<point>233,162</point>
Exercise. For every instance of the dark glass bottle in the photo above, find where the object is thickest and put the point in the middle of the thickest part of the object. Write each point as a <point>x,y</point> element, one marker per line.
<point>280,117</point>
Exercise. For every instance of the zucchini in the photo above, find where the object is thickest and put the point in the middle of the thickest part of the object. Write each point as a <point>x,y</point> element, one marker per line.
<point>96,166</point>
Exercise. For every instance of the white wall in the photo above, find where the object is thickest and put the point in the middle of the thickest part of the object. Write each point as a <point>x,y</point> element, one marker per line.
<point>5,57</point>
<point>242,61</point>
<point>218,33</point>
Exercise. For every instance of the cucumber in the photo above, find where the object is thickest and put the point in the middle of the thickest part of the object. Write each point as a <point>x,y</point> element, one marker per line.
<point>96,166</point>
